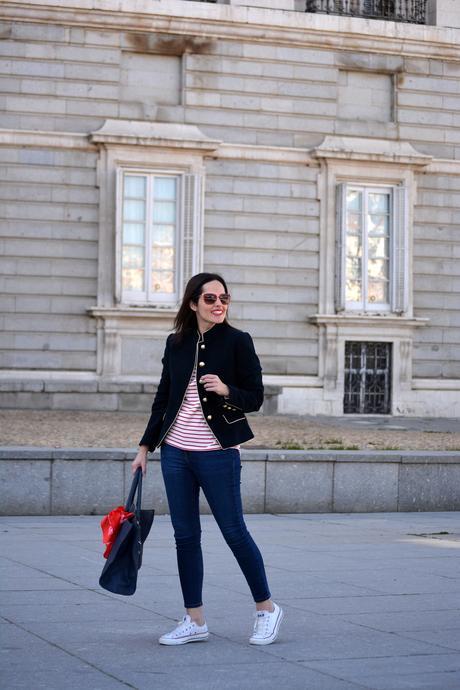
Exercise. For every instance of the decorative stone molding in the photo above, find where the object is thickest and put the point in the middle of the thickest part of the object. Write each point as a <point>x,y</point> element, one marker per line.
<point>370,150</point>
<point>335,329</point>
<point>371,161</point>
<point>130,337</point>
<point>123,331</point>
<point>157,134</point>
<point>242,23</point>
<point>74,140</point>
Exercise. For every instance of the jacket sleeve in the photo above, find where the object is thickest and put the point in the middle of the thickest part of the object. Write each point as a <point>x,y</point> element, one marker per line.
<point>159,405</point>
<point>248,395</point>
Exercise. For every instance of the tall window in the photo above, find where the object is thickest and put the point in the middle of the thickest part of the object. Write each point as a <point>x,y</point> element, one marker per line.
<point>367,227</point>
<point>371,248</point>
<point>149,229</point>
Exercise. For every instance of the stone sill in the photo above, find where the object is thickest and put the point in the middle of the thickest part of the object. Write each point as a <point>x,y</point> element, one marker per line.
<point>360,319</point>
<point>124,311</point>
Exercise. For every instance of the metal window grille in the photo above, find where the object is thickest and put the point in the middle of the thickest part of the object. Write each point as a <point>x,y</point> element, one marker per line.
<point>367,388</point>
<point>413,11</point>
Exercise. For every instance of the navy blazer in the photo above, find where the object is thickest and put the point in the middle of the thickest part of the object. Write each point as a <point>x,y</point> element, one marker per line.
<point>225,351</point>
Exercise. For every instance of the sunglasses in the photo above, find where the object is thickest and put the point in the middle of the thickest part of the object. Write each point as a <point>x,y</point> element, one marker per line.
<point>210,298</point>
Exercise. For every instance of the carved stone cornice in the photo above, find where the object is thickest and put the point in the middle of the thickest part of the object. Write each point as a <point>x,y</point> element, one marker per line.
<point>158,134</point>
<point>242,23</point>
<point>370,150</point>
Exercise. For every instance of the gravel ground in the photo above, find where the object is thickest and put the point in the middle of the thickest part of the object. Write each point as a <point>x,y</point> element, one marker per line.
<point>60,429</point>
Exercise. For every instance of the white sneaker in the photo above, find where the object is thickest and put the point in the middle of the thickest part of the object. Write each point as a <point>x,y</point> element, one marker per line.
<point>186,631</point>
<point>266,626</point>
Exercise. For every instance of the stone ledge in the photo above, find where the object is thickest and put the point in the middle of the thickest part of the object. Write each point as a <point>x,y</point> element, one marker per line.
<point>92,481</point>
<point>93,393</point>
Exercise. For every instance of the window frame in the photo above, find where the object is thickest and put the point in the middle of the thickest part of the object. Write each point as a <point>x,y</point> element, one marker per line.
<point>398,274</point>
<point>364,305</point>
<point>142,298</point>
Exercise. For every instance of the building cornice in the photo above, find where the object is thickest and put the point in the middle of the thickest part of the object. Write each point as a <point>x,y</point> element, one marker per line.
<point>251,152</point>
<point>370,150</point>
<point>42,139</point>
<point>158,134</point>
<point>243,23</point>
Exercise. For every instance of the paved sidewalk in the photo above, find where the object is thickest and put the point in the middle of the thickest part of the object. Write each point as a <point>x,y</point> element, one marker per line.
<point>369,601</point>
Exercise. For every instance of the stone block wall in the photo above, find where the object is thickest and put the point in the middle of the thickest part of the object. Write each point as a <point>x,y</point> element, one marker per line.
<point>274,93</point>
<point>49,254</point>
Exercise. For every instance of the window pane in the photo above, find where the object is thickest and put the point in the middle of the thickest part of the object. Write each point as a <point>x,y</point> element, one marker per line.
<point>133,279</point>
<point>164,188</point>
<point>377,291</point>
<point>134,210</point>
<point>378,268</point>
<point>353,291</point>
<point>135,186</point>
<point>142,227</point>
<point>378,202</point>
<point>353,268</point>
<point>378,247</point>
<point>163,235</point>
<point>133,257</point>
<point>164,212</point>
<point>353,222</point>
<point>133,233</point>
<point>353,243</point>
<point>377,224</point>
<point>163,258</point>
<point>163,281</point>
<point>354,200</point>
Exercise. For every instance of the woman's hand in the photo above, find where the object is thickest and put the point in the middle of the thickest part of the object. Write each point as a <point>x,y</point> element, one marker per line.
<point>140,460</point>
<point>212,383</point>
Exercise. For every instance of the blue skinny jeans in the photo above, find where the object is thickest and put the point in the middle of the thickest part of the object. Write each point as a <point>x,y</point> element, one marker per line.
<point>218,473</point>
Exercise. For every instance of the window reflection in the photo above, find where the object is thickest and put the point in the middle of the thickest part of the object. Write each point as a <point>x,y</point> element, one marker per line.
<point>150,238</point>
<point>163,281</point>
<point>367,246</point>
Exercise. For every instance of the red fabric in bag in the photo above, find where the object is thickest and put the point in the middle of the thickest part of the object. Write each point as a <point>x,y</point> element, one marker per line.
<point>111,524</point>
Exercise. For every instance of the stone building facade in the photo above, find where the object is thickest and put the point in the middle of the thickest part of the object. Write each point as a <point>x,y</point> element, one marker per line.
<point>311,157</point>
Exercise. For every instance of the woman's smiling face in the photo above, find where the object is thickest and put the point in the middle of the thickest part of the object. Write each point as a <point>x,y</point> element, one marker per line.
<point>209,314</point>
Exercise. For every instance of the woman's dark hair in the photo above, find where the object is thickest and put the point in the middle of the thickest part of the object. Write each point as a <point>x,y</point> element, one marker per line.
<point>186,318</point>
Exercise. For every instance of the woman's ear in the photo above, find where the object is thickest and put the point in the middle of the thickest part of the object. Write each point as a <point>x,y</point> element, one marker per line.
<point>193,306</point>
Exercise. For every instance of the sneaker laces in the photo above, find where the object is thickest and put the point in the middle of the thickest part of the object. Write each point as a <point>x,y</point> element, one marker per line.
<point>182,625</point>
<point>261,622</point>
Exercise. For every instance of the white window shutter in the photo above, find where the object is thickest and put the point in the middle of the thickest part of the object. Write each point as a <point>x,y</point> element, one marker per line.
<point>340,247</point>
<point>192,226</point>
<point>399,258</point>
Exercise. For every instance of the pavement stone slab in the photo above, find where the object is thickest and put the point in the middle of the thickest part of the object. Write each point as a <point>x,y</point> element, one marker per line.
<point>410,621</point>
<point>367,606</point>
<point>405,672</point>
<point>372,603</point>
<point>34,662</point>
<point>273,675</point>
<point>449,639</point>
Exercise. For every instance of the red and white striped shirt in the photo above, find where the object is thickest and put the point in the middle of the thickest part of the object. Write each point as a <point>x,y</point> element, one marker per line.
<point>190,430</point>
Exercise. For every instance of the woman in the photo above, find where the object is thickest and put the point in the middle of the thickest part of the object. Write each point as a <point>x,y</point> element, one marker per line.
<point>211,377</point>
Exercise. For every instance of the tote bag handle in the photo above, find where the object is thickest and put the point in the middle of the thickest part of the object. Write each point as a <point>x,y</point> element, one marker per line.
<point>135,486</point>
